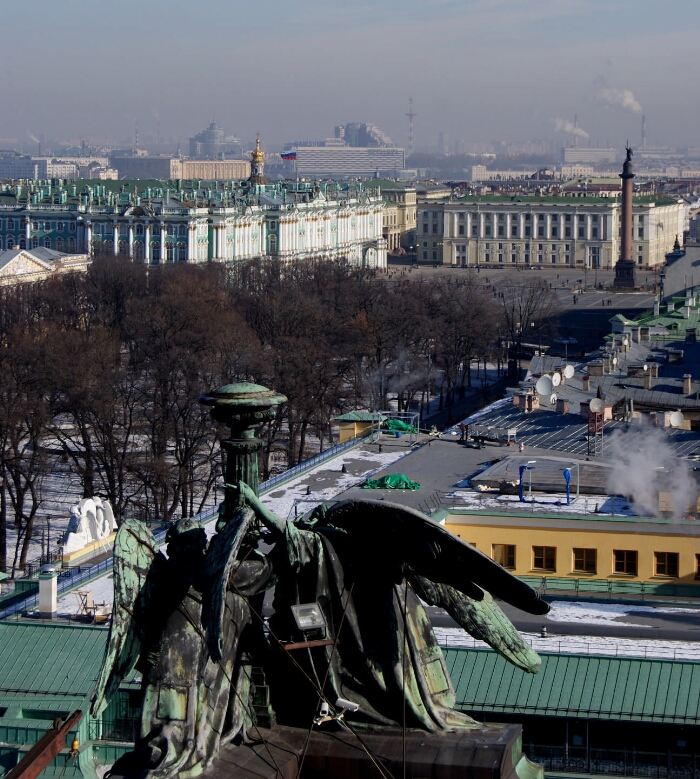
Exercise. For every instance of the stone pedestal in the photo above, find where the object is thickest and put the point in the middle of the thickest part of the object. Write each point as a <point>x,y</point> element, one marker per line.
<point>241,407</point>
<point>494,752</point>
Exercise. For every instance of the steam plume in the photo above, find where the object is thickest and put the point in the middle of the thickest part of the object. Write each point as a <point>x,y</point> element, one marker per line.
<point>564,125</point>
<point>622,97</point>
<point>643,463</point>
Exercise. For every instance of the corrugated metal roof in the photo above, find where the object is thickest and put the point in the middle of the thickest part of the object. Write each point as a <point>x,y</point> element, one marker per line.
<point>580,686</point>
<point>360,416</point>
<point>50,659</point>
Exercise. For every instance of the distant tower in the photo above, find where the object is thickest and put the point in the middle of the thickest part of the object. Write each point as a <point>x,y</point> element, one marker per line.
<point>624,269</point>
<point>576,128</point>
<point>257,164</point>
<point>411,117</point>
<point>644,132</point>
<point>136,135</point>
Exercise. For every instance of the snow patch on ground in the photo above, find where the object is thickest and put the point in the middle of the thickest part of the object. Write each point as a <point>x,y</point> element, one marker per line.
<point>102,590</point>
<point>545,502</point>
<point>294,492</point>
<point>608,613</point>
<point>590,645</point>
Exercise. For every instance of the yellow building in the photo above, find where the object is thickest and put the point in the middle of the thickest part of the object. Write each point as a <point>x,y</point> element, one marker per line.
<point>589,546</point>
<point>400,213</point>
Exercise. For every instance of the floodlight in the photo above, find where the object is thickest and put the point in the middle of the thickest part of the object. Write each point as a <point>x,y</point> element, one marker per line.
<point>308,616</point>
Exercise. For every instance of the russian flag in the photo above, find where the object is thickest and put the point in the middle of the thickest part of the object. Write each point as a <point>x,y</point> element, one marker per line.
<point>290,154</point>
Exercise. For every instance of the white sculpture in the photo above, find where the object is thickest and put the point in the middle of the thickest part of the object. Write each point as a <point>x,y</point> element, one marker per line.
<point>91,519</point>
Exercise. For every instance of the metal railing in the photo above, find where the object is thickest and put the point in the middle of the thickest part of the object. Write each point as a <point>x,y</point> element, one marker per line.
<point>122,730</point>
<point>550,585</point>
<point>616,762</point>
<point>312,462</point>
<point>70,578</point>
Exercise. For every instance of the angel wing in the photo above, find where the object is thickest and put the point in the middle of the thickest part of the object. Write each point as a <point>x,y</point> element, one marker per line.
<point>483,619</point>
<point>134,552</point>
<point>219,564</point>
<point>387,534</point>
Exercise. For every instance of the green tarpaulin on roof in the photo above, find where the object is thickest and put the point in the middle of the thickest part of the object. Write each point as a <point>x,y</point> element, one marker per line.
<point>394,481</point>
<point>398,426</point>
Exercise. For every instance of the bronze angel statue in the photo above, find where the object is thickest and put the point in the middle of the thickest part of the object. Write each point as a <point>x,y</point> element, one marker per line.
<point>191,622</point>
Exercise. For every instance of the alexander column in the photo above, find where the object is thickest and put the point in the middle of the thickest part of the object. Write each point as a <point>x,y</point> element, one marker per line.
<point>624,269</point>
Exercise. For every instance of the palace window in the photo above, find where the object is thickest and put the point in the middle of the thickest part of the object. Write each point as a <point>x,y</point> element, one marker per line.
<point>71,227</point>
<point>581,232</point>
<point>585,560</point>
<point>170,229</point>
<point>625,561</point>
<point>540,232</point>
<point>544,558</point>
<point>47,227</point>
<point>10,224</point>
<point>461,229</point>
<point>182,230</point>
<point>666,564</point>
<point>567,232</point>
<point>35,225</point>
<point>59,244</point>
<point>504,554</point>
<point>47,243</point>
<point>528,232</point>
<point>35,242</point>
<point>500,230</point>
<point>514,231</point>
<point>59,227</point>
<point>139,229</point>
<point>10,242</point>
<point>488,229</point>
<point>500,258</point>
<point>554,232</point>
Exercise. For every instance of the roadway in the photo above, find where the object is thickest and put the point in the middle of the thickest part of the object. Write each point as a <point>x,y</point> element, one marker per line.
<point>682,626</point>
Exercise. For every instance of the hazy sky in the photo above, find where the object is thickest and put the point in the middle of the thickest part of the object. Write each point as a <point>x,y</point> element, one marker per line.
<point>476,69</point>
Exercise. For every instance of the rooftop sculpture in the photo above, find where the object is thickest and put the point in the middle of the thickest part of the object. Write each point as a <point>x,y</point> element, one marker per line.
<point>349,636</point>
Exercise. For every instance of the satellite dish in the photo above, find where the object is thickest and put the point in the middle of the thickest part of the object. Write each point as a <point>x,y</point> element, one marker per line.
<point>646,367</point>
<point>544,385</point>
<point>556,379</point>
<point>614,360</point>
<point>597,405</point>
<point>568,371</point>
<point>553,400</point>
<point>676,419</point>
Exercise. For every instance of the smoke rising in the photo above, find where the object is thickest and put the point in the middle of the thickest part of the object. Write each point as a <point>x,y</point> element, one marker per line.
<point>564,125</point>
<point>643,463</point>
<point>621,97</point>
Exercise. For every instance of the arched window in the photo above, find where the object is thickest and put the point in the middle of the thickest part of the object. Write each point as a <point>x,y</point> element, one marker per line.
<point>71,245</point>
<point>123,248</point>
<point>10,242</point>
<point>272,243</point>
<point>182,230</point>
<point>156,229</point>
<point>10,224</point>
<point>59,244</point>
<point>47,227</point>
<point>35,242</point>
<point>155,251</point>
<point>169,252</point>
<point>170,230</point>
<point>108,247</point>
<point>23,243</point>
<point>138,250</point>
<point>139,229</point>
<point>181,252</point>
<point>47,243</point>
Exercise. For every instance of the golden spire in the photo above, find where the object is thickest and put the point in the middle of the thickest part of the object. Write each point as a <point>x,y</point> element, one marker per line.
<point>257,155</point>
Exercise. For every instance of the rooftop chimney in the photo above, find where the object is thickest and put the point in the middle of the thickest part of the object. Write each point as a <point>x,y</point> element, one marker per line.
<point>48,593</point>
<point>586,383</point>
<point>687,384</point>
<point>647,380</point>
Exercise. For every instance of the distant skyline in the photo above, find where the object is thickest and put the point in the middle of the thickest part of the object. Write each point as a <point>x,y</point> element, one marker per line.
<point>477,70</point>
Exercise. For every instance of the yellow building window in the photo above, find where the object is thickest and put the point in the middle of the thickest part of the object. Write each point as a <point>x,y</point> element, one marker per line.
<point>625,561</point>
<point>585,560</point>
<point>504,554</point>
<point>544,558</point>
<point>666,564</point>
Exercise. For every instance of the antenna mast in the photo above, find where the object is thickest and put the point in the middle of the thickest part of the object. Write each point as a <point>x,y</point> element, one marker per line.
<point>410,116</point>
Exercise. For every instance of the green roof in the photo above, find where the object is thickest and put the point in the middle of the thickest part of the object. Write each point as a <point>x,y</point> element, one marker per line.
<point>578,686</point>
<point>50,659</point>
<point>360,416</point>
